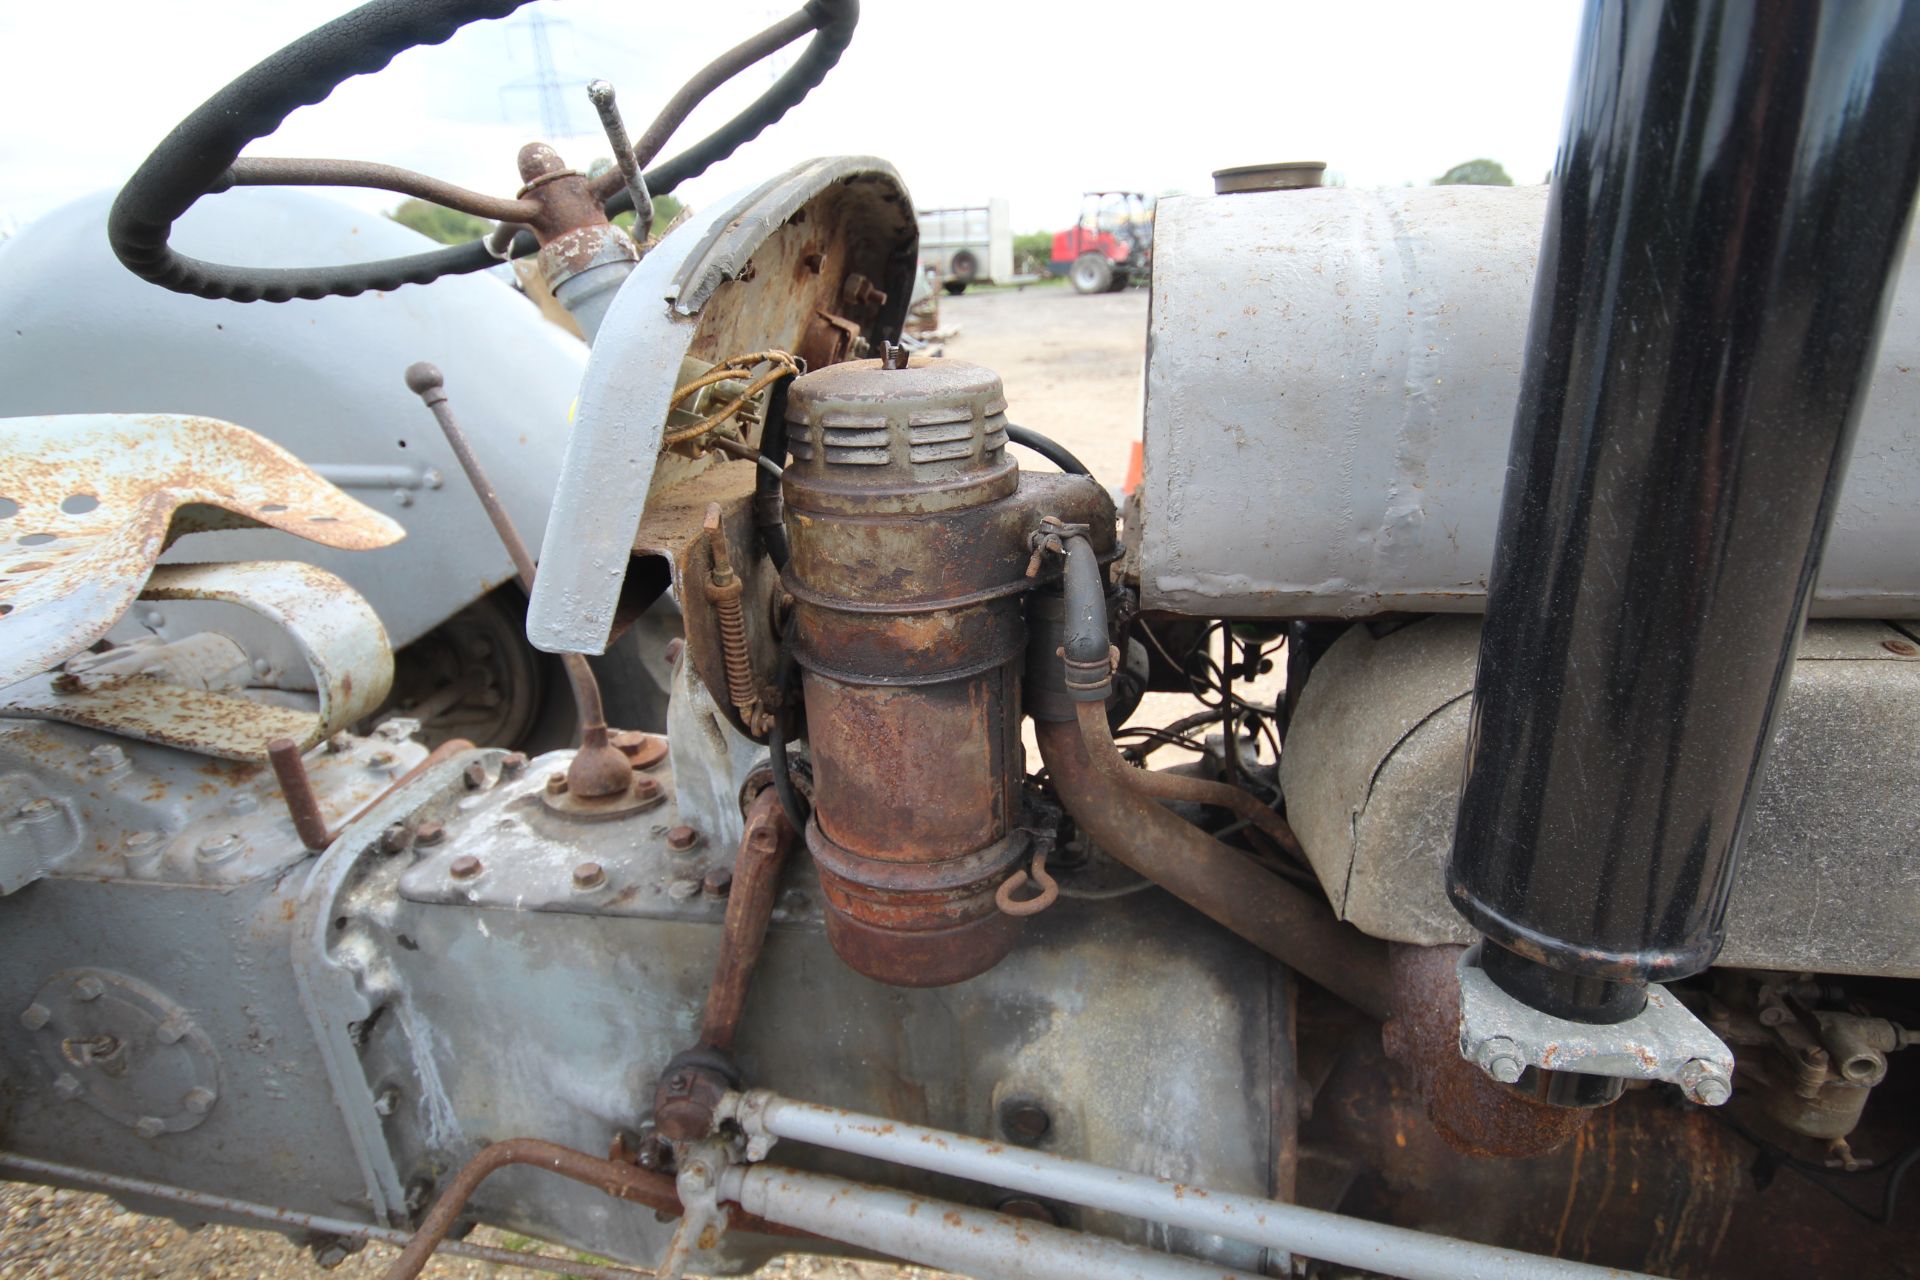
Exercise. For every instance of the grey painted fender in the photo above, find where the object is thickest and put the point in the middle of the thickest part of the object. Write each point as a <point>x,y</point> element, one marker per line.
<point>81,334</point>
<point>732,282</point>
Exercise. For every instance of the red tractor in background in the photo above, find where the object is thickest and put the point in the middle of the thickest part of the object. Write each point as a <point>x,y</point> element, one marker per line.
<point>1110,247</point>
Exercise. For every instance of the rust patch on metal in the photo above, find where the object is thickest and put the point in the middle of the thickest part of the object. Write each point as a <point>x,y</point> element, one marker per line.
<point>1473,1113</point>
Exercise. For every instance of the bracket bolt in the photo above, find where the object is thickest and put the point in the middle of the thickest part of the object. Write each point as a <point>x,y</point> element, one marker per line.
<point>682,838</point>
<point>513,764</point>
<point>67,1086</point>
<point>106,757</point>
<point>474,776</point>
<point>380,760</point>
<point>89,988</point>
<point>393,837</point>
<point>588,876</point>
<point>169,1032</point>
<point>218,849</point>
<point>684,889</point>
<point>38,809</point>
<point>429,833</point>
<point>1499,1057</point>
<point>149,1126</point>
<point>465,867</point>
<point>1705,1083</point>
<point>35,1016</point>
<point>556,784</point>
<point>199,1100</point>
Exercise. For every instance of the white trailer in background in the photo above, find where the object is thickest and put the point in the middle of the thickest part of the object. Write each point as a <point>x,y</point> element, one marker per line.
<point>967,244</point>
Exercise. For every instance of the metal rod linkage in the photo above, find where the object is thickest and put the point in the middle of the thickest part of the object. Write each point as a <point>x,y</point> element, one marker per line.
<point>598,769</point>
<point>1314,1233</point>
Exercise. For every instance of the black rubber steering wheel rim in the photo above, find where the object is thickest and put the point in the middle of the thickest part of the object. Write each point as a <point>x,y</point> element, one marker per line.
<point>196,158</point>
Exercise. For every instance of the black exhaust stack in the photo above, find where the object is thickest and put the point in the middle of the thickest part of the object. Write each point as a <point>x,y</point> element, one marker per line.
<point>1729,203</point>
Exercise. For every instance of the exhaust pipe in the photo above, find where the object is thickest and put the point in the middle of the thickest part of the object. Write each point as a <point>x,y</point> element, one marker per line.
<point>1730,199</point>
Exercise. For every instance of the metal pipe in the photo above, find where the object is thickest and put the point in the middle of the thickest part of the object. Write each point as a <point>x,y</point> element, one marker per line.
<point>114,1184</point>
<point>1315,1233</point>
<point>1733,188</point>
<point>952,1237</point>
<point>612,1177</point>
<point>1214,878</point>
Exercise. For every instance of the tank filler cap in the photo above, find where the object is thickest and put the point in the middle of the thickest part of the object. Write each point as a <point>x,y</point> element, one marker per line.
<point>1278,175</point>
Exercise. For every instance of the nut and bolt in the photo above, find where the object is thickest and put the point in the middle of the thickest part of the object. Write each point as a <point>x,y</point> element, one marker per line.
<point>589,876</point>
<point>35,1016</point>
<point>106,758</point>
<point>169,1032</point>
<point>513,764</point>
<point>1500,1058</point>
<point>474,776</point>
<point>380,760</point>
<point>199,1100</point>
<point>684,889</point>
<point>642,750</point>
<point>218,849</point>
<point>1905,648</point>
<point>89,988</point>
<point>393,838</point>
<point>682,838</point>
<point>644,787</point>
<point>149,1126</point>
<point>1705,1083</point>
<point>556,784</point>
<point>429,833</point>
<point>465,867</point>
<point>717,882</point>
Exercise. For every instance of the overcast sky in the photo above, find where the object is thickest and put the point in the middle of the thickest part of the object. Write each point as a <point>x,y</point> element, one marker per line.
<point>1033,100</point>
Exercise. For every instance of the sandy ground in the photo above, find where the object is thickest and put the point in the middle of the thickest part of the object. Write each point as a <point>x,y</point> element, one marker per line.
<point>1072,364</point>
<point>1072,367</point>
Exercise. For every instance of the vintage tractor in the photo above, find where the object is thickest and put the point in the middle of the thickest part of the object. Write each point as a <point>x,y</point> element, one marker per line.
<point>1557,920</point>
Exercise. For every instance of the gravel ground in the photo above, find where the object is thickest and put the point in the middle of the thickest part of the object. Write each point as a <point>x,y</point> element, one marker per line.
<point>1072,367</point>
<point>71,1235</point>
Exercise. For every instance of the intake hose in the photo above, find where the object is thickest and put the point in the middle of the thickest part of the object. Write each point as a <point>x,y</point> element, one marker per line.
<point>1221,882</point>
<point>1115,804</point>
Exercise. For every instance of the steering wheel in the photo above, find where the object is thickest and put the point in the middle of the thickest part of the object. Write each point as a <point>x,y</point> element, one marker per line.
<point>202,155</point>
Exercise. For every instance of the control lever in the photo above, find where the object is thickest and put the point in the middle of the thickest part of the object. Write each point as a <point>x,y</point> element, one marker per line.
<point>599,770</point>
